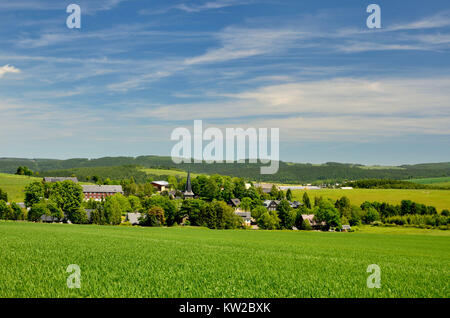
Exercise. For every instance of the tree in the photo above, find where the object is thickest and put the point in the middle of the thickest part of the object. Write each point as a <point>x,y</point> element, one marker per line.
<point>305,225</point>
<point>192,209</point>
<point>24,171</point>
<point>113,210</point>
<point>173,182</point>
<point>286,215</point>
<point>306,200</point>
<point>78,216</point>
<point>135,203</point>
<point>344,206</point>
<point>372,215</point>
<point>356,215</point>
<point>445,212</point>
<point>171,213</point>
<point>246,204</point>
<point>258,211</point>
<point>269,221</point>
<point>326,212</point>
<point>210,190</point>
<point>218,215</point>
<point>227,192</point>
<point>37,211</point>
<point>18,212</point>
<point>280,195</point>
<point>68,196</point>
<point>153,217</point>
<point>54,211</point>
<point>3,195</point>
<point>5,211</point>
<point>34,193</point>
<point>273,192</point>
<point>239,188</point>
<point>98,213</point>
<point>289,195</point>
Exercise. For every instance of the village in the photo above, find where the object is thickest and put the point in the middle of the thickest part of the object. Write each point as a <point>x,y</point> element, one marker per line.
<point>249,205</point>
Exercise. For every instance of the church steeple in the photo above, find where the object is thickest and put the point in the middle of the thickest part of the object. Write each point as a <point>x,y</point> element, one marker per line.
<point>188,194</point>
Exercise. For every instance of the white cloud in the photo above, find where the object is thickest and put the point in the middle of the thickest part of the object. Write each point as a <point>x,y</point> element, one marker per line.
<point>8,69</point>
<point>353,107</point>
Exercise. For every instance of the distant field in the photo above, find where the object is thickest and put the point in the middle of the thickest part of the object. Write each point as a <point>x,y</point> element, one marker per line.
<point>381,167</point>
<point>14,185</point>
<point>168,172</point>
<point>195,262</point>
<point>442,181</point>
<point>437,198</point>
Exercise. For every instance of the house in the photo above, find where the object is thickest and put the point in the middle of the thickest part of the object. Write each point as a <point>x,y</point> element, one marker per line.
<point>235,203</point>
<point>60,179</point>
<point>100,192</point>
<point>246,217</point>
<point>295,204</point>
<point>188,194</point>
<point>346,228</point>
<point>133,218</point>
<point>49,219</point>
<point>160,185</point>
<point>271,205</point>
<point>314,224</point>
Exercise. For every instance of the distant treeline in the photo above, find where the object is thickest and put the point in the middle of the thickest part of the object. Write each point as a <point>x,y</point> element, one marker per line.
<point>288,172</point>
<point>389,184</point>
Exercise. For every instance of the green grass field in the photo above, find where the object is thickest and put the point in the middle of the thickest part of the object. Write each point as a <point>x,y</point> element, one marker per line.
<point>195,262</point>
<point>437,198</point>
<point>441,182</point>
<point>14,185</point>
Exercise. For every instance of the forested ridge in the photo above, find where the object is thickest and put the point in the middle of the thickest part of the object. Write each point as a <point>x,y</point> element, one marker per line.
<point>288,172</point>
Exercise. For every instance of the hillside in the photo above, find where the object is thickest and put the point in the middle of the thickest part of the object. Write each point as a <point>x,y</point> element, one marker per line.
<point>14,185</point>
<point>288,172</point>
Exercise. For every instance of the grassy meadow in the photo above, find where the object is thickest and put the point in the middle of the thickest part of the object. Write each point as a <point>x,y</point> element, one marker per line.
<point>441,181</point>
<point>196,262</point>
<point>14,185</point>
<point>167,172</point>
<point>437,198</point>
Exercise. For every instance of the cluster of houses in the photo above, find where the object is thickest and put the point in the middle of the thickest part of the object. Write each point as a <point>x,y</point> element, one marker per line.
<point>101,192</point>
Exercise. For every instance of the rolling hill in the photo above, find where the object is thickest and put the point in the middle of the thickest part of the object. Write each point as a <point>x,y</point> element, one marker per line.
<point>288,172</point>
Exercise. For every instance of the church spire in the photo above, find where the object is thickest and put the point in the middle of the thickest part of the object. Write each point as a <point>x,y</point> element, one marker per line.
<point>188,194</point>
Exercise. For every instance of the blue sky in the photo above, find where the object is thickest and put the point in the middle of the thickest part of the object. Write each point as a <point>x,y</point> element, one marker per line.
<point>136,70</point>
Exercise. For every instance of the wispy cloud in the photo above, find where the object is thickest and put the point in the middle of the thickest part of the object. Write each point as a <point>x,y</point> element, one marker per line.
<point>196,7</point>
<point>439,20</point>
<point>239,43</point>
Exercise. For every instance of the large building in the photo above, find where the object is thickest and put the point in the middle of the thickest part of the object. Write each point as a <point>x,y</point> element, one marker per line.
<point>100,192</point>
<point>60,179</point>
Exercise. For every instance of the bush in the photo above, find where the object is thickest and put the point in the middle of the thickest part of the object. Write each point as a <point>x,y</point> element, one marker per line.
<point>18,212</point>
<point>372,215</point>
<point>78,216</point>
<point>153,217</point>
<point>3,196</point>
<point>306,225</point>
<point>37,211</point>
<point>269,221</point>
